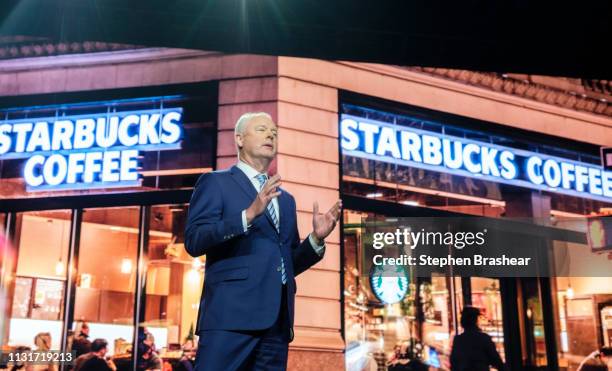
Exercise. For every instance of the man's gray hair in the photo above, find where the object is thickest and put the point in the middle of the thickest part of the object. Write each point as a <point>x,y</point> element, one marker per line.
<point>245,118</point>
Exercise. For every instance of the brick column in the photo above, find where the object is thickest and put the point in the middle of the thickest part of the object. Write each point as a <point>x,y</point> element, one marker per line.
<point>308,164</point>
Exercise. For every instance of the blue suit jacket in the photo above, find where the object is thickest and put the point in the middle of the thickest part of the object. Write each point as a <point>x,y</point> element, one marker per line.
<point>242,285</point>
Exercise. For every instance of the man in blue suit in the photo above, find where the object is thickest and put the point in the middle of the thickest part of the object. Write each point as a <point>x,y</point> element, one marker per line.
<point>246,225</point>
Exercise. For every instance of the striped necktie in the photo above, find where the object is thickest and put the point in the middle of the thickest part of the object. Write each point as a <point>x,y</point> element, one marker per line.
<point>262,179</point>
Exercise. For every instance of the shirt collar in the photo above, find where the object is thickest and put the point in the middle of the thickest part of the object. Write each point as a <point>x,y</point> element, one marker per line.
<point>247,169</point>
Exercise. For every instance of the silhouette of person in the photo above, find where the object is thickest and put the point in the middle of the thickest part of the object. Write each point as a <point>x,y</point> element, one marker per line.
<point>473,350</point>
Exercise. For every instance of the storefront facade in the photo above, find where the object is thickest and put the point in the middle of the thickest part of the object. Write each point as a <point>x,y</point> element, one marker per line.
<point>114,254</point>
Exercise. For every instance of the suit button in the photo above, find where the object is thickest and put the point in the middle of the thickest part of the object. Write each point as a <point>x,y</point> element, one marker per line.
<point>278,269</point>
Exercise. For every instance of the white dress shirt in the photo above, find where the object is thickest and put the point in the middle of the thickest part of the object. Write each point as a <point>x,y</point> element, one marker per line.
<point>252,175</point>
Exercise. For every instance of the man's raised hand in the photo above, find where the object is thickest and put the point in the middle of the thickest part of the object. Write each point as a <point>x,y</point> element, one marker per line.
<point>267,193</point>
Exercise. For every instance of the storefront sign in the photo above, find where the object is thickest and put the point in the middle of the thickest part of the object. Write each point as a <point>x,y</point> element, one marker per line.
<point>86,151</point>
<point>389,283</point>
<point>382,141</point>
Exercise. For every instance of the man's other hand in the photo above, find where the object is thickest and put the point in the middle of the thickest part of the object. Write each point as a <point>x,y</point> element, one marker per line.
<point>323,224</point>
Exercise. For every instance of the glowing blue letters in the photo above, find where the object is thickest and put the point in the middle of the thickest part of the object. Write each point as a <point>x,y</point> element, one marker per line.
<point>88,150</point>
<point>387,142</point>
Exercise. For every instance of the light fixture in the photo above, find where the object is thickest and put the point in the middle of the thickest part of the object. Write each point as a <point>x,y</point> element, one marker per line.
<point>569,292</point>
<point>411,203</point>
<point>126,266</point>
<point>126,263</point>
<point>59,268</point>
<point>193,276</point>
<point>374,195</point>
<point>196,263</point>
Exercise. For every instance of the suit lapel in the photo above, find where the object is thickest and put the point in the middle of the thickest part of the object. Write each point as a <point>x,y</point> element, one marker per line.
<point>240,177</point>
<point>244,182</point>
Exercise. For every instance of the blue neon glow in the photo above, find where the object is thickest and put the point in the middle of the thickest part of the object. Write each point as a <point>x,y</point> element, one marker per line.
<point>21,131</point>
<point>470,151</point>
<point>107,131</point>
<point>84,136</point>
<point>31,176</point>
<point>93,166</point>
<point>171,131</point>
<point>129,165</point>
<point>382,141</point>
<point>552,173</point>
<point>452,154</point>
<point>595,182</point>
<point>84,151</point>
<point>40,138</point>
<point>111,166</point>
<point>75,166</point>
<point>432,153</point>
<point>533,168</point>
<point>63,131</point>
<point>126,134</point>
<point>349,140</point>
<point>581,178</point>
<point>509,170</point>
<point>55,170</point>
<point>387,142</point>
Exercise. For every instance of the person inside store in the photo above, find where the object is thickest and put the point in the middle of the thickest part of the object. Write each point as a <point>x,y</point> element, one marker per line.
<point>19,363</point>
<point>151,361</point>
<point>95,359</point>
<point>81,343</point>
<point>473,350</point>
<point>189,352</point>
<point>246,225</point>
<point>148,357</point>
<point>42,341</point>
<point>394,357</point>
<point>407,360</point>
<point>599,360</point>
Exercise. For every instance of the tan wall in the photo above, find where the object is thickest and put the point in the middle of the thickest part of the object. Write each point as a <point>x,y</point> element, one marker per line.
<point>308,164</point>
<point>441,94</point>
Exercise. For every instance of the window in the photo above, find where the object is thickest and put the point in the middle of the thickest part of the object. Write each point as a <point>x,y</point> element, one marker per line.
<point>107,275</point>
<point>174,280</point>
<point>41,244</point>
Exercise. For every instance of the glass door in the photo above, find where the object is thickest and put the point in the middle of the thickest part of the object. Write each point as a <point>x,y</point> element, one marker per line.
<point>36,282</point>
<point>106,280</point>
<point>533,319</point>
<point>486,295</point>
<point>173,285</point>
